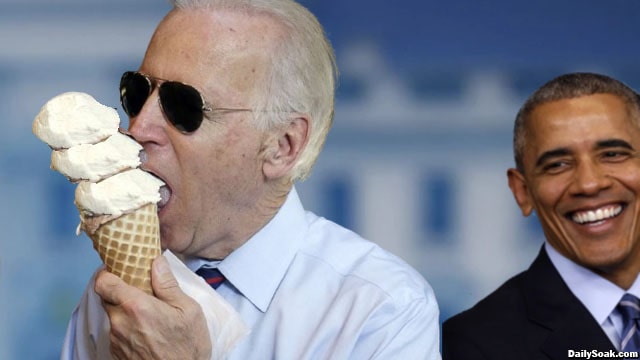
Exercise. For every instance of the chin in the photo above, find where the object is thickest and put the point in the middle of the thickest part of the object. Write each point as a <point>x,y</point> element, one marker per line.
<point>605,261</point>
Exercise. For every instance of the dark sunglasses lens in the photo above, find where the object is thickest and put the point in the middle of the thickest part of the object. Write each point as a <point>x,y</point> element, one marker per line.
<point>182,104</point>
<point>134,91</point>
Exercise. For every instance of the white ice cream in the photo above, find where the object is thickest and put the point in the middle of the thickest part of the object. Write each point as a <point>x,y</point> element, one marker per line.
<point>94,162</point>
<point>118,194</point>
<point>74,118</point>
<point>88,148</point>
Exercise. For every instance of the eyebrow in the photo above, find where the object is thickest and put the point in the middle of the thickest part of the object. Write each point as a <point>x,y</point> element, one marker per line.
<point>602,144</point>
<point>551,154</point>
<point>611,143</point>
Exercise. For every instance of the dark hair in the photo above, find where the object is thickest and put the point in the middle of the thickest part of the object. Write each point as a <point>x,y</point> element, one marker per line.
<point>569,86</point>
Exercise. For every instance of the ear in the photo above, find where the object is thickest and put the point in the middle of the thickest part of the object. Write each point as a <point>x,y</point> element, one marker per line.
<point>520,191</point>
<point>286,146</point>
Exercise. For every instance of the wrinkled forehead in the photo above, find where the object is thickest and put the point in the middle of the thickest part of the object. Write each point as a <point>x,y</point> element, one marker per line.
<point>605,107</point>
<point>215,50</point>
<point>586,119</point>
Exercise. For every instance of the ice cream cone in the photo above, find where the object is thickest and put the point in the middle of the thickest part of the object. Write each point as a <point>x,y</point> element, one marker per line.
<point>88,148</point>
<point>128,244</point>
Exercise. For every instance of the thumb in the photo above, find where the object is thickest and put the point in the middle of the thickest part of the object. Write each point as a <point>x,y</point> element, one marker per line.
<point>165,286</point>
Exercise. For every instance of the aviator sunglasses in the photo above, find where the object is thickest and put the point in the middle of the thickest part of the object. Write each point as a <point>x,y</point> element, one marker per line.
<point>182,105</point>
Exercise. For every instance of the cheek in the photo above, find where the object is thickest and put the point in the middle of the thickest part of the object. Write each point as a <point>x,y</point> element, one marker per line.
<point>624,177</point>
<point>198,166</point>
<point>233,142</point>
<point>629,177</point>
<point>242,145</point>
<point>224,153</point>
<point>548,194</point>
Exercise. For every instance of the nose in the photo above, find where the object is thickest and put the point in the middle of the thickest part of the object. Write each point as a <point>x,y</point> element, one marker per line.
<point>149,125</point>
<point>590,178</point>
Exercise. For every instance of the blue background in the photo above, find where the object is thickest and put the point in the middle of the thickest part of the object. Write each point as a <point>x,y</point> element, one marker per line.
<point>416,160</point>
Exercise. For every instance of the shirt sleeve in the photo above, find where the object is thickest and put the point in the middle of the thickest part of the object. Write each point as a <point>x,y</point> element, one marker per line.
<point>407,332</point>
<point>87,334</point>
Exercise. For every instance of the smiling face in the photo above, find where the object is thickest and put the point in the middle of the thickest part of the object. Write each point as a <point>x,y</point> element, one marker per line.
<point>582,178</point>
<point>215,175</point>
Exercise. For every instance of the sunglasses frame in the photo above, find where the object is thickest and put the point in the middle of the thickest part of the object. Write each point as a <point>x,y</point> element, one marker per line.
<point>155,82</point>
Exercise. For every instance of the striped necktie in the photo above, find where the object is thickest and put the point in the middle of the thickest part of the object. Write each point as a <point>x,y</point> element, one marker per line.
<point>212,276</point>
<point>629,308</point>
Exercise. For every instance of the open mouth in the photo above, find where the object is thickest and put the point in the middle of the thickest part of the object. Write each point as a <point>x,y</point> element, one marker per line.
<point>165,193</point>
<point>165,190</point>
<point>596,216</point>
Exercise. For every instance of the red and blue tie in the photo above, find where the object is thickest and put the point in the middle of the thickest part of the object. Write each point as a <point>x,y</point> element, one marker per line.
<point>212,276</point>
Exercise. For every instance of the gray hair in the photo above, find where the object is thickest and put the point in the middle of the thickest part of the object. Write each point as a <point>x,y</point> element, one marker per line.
<point>302,75</point>
<point>569,86</point>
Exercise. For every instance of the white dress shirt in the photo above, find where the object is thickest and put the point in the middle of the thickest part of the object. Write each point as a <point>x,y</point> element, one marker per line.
<point>311,289</point>
<point>599,295</point>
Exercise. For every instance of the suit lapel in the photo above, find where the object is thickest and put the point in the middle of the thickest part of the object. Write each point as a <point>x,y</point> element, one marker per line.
<point>563,319</point>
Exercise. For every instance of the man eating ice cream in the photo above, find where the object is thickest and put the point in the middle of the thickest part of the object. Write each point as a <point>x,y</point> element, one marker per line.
<point>232,104</point>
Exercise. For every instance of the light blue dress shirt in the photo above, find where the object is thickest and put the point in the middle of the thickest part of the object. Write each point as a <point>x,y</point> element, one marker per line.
<point>599,295</point>
<point>311,289</point>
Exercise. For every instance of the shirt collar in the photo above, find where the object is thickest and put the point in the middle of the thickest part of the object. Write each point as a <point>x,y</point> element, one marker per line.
<point>599,295</point>
<point>257,267</point>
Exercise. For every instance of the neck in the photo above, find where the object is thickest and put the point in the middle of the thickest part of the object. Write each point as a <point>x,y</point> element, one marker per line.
<point>252,221</point>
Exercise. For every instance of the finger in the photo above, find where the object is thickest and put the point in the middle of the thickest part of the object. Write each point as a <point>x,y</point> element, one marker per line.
<point>165,286</point>
<point>113,290</point>
<point>116,351</point>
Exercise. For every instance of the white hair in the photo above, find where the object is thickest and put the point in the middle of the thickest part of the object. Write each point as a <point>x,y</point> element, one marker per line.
<point>302,74</point>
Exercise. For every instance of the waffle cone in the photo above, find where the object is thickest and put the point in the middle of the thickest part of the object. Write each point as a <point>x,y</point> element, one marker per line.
<point>128,244</point>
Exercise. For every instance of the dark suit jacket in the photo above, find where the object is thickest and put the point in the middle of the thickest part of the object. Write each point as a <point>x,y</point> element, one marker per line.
<point>533,315</point>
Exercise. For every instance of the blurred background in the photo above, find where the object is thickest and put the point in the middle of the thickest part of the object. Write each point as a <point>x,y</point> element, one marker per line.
<point>416,160</point>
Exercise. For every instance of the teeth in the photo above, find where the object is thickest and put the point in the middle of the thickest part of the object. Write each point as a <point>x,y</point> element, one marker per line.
<point>598,215</point>
<point>165,194</point>
<point>143,156</point>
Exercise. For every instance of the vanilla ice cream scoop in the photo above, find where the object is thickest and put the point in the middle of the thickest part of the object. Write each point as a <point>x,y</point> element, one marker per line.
<point>74,118</point>
<point>94,162</point>
<point>119,193</point>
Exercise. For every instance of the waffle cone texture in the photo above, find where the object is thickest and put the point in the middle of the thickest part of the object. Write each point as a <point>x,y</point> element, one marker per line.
<point>128,244</point>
